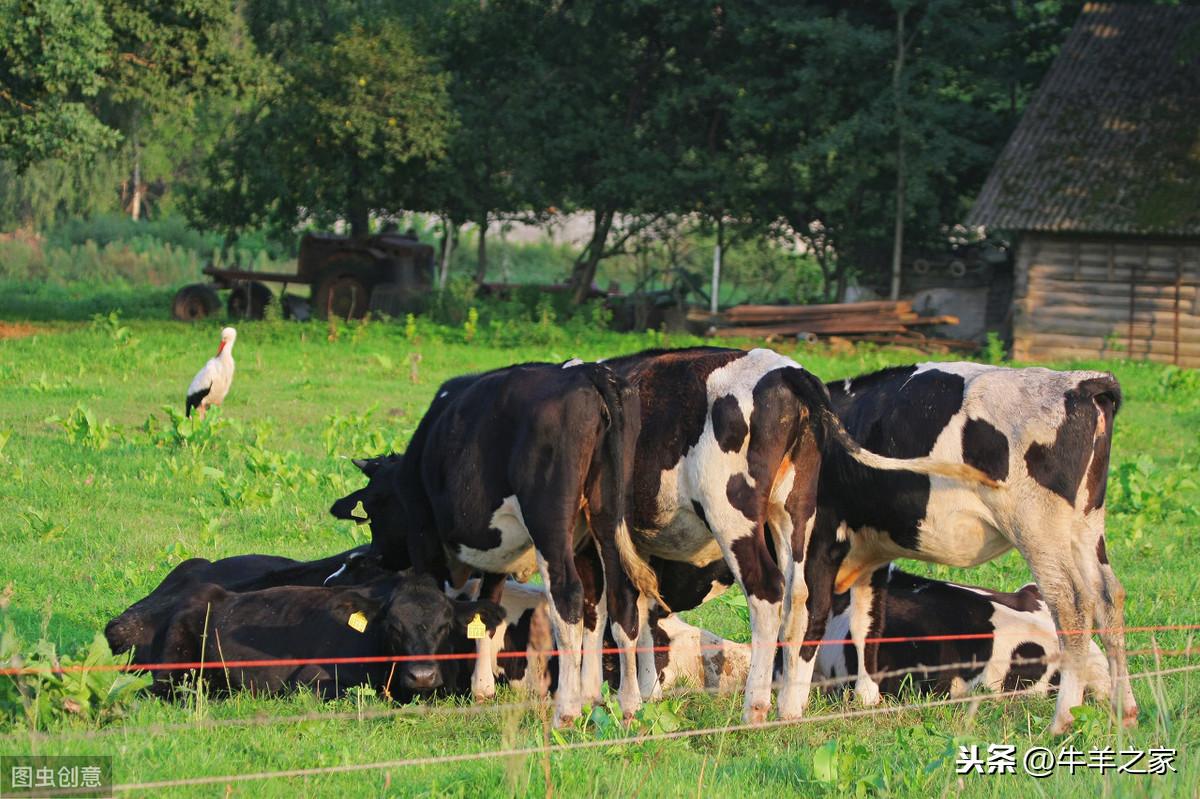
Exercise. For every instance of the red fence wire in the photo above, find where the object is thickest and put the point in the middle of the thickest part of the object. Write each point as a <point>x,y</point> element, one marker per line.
<point>337,661</point>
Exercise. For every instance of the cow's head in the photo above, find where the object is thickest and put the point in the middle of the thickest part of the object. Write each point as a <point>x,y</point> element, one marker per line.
<point>422,620</point>
<point>360,566</point>
<point>381,507</point>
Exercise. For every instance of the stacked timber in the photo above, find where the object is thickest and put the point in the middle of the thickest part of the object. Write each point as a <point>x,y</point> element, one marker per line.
<point>884,321</point>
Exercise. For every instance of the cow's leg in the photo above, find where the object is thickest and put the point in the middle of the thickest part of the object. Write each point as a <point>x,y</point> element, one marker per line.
<point>792,525</point>
<point>595,617</point>
<point>866,611</point>
<point>1071,597</point>
<point>649,684</point>
<point>741,539</point>
<point>627,611</point>
<point>1110,619</point>
<point>566,619</point>
<point>821,563</point>
<point>483,677</point>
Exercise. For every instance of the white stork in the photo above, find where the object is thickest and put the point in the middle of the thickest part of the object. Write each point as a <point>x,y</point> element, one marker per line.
<point>211,384</point>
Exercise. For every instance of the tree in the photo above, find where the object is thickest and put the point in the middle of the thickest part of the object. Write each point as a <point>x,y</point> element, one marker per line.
<point>331,138</point>
<point>53,57</point>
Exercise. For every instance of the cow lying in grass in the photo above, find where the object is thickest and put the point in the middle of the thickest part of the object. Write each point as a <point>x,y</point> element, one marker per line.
<point>1021,652</point>
<point>403,614</point>
<point>136,627</point>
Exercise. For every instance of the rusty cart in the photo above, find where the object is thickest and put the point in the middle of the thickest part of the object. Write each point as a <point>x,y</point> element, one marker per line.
<point>386,273</point>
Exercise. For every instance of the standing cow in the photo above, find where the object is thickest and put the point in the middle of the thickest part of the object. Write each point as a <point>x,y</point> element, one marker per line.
<point>731,447</point>
<point>1043,436</point>
<point>500,471</point>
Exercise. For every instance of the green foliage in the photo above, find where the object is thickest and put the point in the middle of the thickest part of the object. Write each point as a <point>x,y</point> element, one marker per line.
<point>83,429</point>
<point>1142,489</point>
<point>47,696</point>
<point>342,120</point>
<point>994,352</point>
<point>52,55</point>
<point>190,432</point>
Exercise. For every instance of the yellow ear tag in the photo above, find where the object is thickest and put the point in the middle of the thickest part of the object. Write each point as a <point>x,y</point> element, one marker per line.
<point>357,621</point>
<point>359,512</point>
<point>476,628</point>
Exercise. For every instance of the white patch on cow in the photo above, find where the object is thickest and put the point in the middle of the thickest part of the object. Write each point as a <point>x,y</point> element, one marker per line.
<point>573,362</point>
<point>340,571</point>
<point>443,395</point>
<point>514,554</point>
<point>568,639</point>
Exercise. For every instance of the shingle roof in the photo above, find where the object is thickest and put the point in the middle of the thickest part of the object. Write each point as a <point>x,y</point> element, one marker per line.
<point>1111,141</point>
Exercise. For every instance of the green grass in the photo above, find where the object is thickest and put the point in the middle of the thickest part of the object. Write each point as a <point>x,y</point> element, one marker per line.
<point>95,511</point>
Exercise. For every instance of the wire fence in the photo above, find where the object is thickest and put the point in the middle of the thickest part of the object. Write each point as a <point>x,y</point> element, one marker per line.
<point>552,749</point>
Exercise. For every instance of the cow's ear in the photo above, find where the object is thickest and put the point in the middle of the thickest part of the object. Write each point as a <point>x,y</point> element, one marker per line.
<point>367,466</point>
<point>489,613</point>
<point>345,507</point>
<point>351,603</point>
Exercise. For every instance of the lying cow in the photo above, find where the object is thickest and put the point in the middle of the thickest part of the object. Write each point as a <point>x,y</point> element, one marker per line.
<point>136,627</point>
<point>404,614</point>
<point>1042,436</point>
<point>730,451</point>
<point>1020,652</point>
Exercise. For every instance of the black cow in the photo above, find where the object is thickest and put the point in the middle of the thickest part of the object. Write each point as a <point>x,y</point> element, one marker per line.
<point>136,627</point>
<point>402,614</point>
<point>501,470</point>
<point>730,448</point>
<point>1043,437</point>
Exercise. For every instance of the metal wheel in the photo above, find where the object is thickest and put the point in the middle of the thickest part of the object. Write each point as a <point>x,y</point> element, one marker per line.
<point>247,300</point>
<point>195,302</point>
<point>343,296</point>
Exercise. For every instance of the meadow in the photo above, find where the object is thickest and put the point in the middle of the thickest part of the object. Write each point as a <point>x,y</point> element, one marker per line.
<point>104,488</point>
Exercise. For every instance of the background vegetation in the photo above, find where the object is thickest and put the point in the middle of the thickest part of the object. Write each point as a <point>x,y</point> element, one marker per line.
<point>758,123</point>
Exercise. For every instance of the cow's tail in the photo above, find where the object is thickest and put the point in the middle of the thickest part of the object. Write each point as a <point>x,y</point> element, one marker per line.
<point>613,483</point>
<point>815,396</point>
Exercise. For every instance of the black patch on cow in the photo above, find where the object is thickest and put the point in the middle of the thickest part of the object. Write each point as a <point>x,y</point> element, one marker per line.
<point>918,607</point>
<point>897,413</point>
<point>673,395</point>
<point>516,639</point>
<point>1055,678</point>
<point>699,510</point>
<point>985,448</point>
<point>729,425</point>
<point>684,586</point>
<point>1025,674</point>
<point>1101,550</point>
<point>841,603</point>
<point>1059,467</point>
<point>742,496</point>
<point>760,575</point>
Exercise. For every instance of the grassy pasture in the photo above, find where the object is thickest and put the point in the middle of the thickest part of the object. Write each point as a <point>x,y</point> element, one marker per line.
<point>98,505</point>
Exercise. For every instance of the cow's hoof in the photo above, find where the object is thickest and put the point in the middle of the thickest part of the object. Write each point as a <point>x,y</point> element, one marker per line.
<point>1062,724</point>
<point>791,705</point>
<point>564,721</point>
<point>756,714</point>
<point>1130,717</point>
<point>483,696</point>
<point>867,692</point>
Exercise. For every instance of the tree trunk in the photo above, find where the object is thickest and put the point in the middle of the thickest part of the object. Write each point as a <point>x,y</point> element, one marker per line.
<point>449,234</point>
<point>716,269</point>
<point>135,202</point>
<point>481,253</point>
<point>584,271</point>
<point>898,235</point>
<point>360,217</point>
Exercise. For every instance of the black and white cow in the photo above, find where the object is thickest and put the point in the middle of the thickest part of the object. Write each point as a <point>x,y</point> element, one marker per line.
<point>136,627</point>
<point>1016,645</point>
<point>730,449</point>
<point>501,471</point>
<point>1043,436</point>
<point>403,614</point>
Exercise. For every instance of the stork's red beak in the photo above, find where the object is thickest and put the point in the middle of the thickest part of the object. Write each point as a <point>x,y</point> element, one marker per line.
<point>220,347</point>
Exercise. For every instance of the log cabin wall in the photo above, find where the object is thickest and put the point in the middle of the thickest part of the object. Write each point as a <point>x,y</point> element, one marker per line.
<point>1078,296</point>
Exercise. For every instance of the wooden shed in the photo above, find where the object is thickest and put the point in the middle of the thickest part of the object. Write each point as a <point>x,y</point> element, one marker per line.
<point>1100,188</point>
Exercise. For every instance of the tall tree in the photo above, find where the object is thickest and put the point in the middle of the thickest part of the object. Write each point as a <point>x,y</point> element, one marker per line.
<point>331,138</point>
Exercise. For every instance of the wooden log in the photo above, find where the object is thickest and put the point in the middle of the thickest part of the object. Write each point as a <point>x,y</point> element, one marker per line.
<point>765,331</point>
<point>1055,353</point>
<point>1105,345</point>
<point>1143,315</point>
